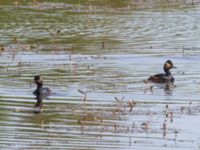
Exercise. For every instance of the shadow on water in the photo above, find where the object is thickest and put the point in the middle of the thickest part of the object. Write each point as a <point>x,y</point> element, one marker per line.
<point>94,56</point>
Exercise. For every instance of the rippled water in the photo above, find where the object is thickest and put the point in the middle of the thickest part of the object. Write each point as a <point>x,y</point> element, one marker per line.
<point>105,52</point>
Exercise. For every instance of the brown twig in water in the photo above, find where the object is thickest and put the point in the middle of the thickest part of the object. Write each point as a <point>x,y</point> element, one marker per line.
<point>13,55</point>
<point>84,95</point>
<point>165,125</point>
<point>190,108</point>
<point>171,116</point>
<point>115,127</point>
<point>145,126</point>
<point>120,104</point>
<point>145,81</point>
<point>175,134</point>
<point>20,68</point>
<point>164,129</point>
<point>164,134</point>
<point>2,48</point>
<point>131,104</point>
<point>103,44</point>
<point>120,100</point>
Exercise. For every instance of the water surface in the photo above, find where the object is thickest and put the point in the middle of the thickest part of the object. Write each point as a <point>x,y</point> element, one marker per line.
<point>106,50</point>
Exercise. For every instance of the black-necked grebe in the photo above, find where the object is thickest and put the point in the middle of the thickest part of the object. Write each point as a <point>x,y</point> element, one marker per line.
<point>164,77</point>
<point>40,91</point>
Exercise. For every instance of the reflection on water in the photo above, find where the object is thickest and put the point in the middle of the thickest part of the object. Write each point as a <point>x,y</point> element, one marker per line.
<point>95,62</point>
<point>168,87</point>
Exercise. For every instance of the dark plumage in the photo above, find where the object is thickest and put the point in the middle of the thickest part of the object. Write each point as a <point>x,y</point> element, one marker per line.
<point>164,77</point>
<point>45,91</point>
<point>40,91</point>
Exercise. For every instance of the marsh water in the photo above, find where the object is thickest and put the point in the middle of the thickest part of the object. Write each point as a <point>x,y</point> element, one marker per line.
<point>94,56</point>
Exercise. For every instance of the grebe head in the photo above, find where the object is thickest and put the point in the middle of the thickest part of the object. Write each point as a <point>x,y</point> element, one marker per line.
<point>38,80</point>
<point>168,65</point>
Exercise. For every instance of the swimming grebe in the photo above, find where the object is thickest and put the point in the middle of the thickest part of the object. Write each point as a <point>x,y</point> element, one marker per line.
<point>164,77</point>
<point>40,92</point>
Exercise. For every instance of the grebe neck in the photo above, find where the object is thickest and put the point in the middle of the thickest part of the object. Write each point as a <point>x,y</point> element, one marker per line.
<point>167,71</point>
